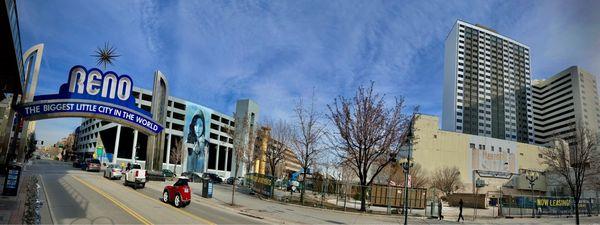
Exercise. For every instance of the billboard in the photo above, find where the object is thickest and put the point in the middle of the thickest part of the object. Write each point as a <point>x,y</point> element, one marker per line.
<point>493,161</point>
<point>493,155</point>
<point>195,136</point>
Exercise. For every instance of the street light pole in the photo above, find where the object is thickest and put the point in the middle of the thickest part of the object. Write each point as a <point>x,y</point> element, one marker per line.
<point>532,176</point>
<point>406,167</point>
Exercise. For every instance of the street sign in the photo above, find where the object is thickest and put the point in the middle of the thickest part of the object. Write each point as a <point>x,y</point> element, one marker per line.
<point>99,150</point>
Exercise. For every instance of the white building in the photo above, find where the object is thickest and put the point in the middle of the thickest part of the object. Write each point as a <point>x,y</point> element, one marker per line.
<point>213,147</point>
<point>487,84</point>
<point>564,102</point>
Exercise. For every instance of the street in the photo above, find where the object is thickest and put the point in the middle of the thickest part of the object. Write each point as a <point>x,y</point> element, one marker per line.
<point>73,196</point>
<point>79,197</point>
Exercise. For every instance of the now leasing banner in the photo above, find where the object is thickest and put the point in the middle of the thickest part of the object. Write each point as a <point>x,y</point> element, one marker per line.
<point>93,94</point>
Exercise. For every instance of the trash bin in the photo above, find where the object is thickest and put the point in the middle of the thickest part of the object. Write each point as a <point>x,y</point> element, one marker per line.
<point>207,188</point>
<point>11,182</point>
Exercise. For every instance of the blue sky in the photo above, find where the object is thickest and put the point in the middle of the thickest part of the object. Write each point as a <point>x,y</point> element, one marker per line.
<point>215,52</point>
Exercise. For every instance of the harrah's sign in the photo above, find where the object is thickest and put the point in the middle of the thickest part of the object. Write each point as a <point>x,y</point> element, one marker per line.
<point>93,94</point>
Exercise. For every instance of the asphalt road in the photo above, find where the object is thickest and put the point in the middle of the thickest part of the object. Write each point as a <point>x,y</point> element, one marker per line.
<point>78,197</point>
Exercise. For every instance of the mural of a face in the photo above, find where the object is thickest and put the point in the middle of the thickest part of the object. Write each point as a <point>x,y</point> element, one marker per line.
<point>199,128</point>
<point>195,133</point>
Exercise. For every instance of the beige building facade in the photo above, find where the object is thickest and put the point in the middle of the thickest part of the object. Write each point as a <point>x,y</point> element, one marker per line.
<point>477,157</point>
<point>564,102</point>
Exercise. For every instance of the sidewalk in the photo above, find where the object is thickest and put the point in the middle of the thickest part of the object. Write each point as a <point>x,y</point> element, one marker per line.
<point>277,212</point>
<point>12,207</point>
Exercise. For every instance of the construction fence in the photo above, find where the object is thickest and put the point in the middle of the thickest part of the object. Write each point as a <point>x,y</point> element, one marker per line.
<point>542,206</point>
<point>337,195</point>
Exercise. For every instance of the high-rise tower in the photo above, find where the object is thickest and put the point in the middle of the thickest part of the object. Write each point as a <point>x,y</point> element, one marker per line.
<point>487,84</point>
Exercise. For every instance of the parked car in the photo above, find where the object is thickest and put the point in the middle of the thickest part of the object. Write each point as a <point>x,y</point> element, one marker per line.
<point>180,193</point>
<point>167,173</point>
<point>238,180</point>
<point>77,163</point>
<point>193,176</point>
<point>135,177</point>
<point>92,165</point>
<point>113,171</point>
<point>213,177</point>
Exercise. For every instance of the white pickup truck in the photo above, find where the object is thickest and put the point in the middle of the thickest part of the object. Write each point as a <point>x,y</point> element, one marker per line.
<point>135,177</point>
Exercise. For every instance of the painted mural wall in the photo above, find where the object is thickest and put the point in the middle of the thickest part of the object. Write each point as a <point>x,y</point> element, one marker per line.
<point>195,136</point>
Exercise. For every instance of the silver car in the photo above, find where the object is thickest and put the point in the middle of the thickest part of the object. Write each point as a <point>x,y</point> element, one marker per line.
<point>113,171</point>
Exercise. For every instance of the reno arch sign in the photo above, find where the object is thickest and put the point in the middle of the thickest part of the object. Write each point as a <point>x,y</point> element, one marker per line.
<point>93,94</point>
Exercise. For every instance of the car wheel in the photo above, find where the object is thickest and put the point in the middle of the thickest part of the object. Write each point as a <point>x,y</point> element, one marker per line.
<point>177,201</point>
<point>143,185</point>
<point>166,196</point>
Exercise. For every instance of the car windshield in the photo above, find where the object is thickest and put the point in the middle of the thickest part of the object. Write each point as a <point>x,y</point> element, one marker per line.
<point>94,161</point>
<point>181,182</point>
<point>116,167</point>
<point>136,166</point>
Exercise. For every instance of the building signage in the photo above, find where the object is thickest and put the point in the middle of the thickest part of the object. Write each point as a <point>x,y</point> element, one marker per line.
<point>553,202</point>
<point>93,94</point>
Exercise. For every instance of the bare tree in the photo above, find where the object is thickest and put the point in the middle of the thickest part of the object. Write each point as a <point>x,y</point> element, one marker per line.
<point>571,159</point>
<point>279,142</point>
<point>243,136</point>
<point>418,177</point>
<point>367,132</point>
<point>446,179</point>
<point>176,154</point>
<point>306,138</point>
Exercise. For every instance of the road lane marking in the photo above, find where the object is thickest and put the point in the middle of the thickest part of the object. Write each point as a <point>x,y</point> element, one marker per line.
<point>116,202</point>
<point>47,199</point>
<point>203,220</point>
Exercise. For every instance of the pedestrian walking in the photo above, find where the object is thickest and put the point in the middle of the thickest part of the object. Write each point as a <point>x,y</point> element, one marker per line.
<point>440,216</point>
<point>460,209</point>
<point>128,167</point>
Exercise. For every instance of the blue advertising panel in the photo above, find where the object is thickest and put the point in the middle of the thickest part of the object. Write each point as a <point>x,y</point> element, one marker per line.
<point>195,135</point>
<point>94,94</point>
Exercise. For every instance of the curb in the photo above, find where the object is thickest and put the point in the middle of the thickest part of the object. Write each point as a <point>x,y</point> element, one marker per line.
<point>239,210</point>
<point>338,211</point>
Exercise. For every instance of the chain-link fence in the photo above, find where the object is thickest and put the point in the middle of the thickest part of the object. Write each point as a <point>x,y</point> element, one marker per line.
<point>383,199</point>
<point>332,194</point>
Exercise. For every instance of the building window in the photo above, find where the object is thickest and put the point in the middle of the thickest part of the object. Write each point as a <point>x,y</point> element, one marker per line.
<point>472,145</point>
<point>492,148</point>
<point>541,156</point>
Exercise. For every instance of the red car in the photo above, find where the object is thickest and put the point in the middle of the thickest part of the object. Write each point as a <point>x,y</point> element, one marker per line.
<point>180,193</point>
